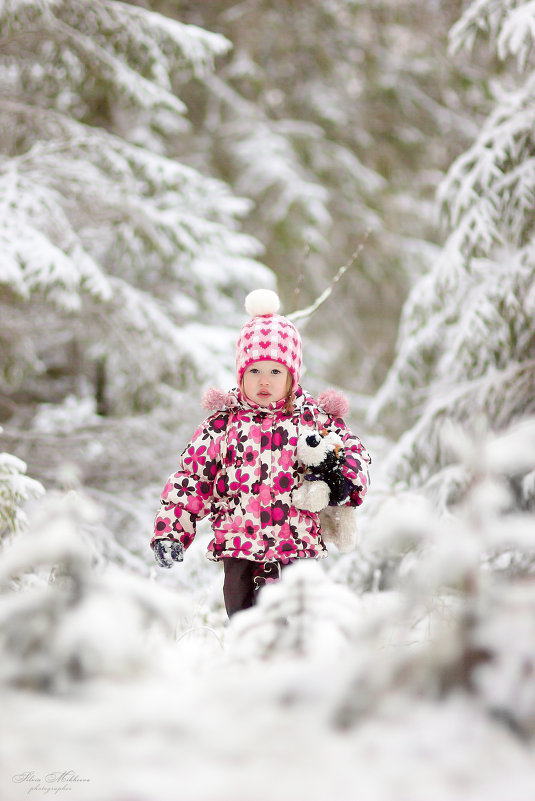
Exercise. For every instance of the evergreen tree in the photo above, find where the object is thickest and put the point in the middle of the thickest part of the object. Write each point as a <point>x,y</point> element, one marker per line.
<point>110,249</point>
<point>336,119</point>
<point>466,344</point>
<point>15,489</point>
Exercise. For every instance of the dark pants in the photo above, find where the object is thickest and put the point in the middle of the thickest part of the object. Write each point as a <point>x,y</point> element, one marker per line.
<point>243,579</point>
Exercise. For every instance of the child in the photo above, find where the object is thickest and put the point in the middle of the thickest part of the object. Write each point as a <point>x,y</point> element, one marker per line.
<point>241,466</point>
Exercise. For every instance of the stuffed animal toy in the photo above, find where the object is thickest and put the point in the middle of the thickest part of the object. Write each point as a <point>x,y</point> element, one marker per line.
<point>324,484</point>
<point>324,487</point>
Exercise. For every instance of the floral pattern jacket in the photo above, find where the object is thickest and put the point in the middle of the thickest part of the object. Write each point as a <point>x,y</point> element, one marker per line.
<point>241,468</point>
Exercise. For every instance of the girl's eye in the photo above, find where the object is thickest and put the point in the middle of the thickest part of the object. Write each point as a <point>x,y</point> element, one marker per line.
<point>275,372</point>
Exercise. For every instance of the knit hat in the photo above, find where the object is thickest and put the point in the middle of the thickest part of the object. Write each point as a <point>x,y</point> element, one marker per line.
<point>268,336</point>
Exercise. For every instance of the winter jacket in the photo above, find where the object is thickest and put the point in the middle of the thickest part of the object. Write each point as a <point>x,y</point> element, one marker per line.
<point>241,468</point>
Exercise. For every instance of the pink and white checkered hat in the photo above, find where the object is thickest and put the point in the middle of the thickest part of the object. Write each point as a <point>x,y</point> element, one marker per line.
<point>268,336</point>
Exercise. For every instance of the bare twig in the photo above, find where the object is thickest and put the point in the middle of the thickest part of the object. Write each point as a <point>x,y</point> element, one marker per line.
<point>302,314</point>
<point>300,276</point>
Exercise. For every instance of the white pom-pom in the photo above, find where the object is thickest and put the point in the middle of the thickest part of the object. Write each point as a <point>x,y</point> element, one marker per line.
<point>262,301</point>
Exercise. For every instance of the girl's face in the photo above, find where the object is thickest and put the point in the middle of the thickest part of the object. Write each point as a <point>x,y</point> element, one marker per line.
<point>266,382</point>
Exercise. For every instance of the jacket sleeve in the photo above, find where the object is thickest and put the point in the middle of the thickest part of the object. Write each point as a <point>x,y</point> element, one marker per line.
<point>357,461</point>
<point>189,493</point>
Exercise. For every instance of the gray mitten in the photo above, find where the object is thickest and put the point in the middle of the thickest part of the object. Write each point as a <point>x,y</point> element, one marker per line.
<point>167,551</point>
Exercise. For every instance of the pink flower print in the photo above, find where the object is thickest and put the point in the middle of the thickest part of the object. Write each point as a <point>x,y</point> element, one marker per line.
<point>240,485</point>
<point>221,485</point>
<point>250,455</point>
<point>218,423</point>
<point>232,433</point>
<point>242,438</point>
<point>234,525</point>
<point>249,529</point>
<point>194,505</point>
<point>255,433</point>
<point>351,467</point>
<point>230,457</point>
<point>181,485</point>
<point>186,539</point>
<point>283,483</point>
<point>286,548</point>
<point>195,458</point>
<point>227,526</point>
<point>209,471</point>
<point>163,525</point>
<point>241,548</point>
<point>286,459</point>
<point>217,548</point>
<point>285,531</point>
<point>253,507</point>
<point>213,449</point>
<point>279,438</point>
<point>310,523</point>
<point>204,489</point>
<point>279,513</point>
<point>264,495</point>
<point>166,490</point>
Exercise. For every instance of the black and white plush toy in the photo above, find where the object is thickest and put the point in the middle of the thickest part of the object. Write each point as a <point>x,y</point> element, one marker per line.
<point>324,484</point>
<point>325,487</point>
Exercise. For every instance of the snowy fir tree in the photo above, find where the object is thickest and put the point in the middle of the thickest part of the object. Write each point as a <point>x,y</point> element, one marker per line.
<point>467,338</point>
<point>55,604</point>
<point>16,488</point>
<point>349,103</point>
<point>109,247</point>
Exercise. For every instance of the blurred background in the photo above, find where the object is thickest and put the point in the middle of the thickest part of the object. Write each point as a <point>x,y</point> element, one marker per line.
<point>158,161</point>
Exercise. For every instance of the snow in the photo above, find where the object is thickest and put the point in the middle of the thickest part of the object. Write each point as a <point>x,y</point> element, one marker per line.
<point>214,735</point>
<point>162,743</point>
<point>116,685</point>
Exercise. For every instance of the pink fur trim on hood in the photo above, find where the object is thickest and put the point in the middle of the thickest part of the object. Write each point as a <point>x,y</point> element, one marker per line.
<point>333,402</point>
<point>215,399</point>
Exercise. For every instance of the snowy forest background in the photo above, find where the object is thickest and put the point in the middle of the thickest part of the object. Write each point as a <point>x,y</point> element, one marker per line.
<point>159,160</point>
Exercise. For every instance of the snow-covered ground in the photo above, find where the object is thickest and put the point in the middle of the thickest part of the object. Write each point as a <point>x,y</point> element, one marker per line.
<point>253,731</point>
<point>403,671</point>
<point>127,689</point>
